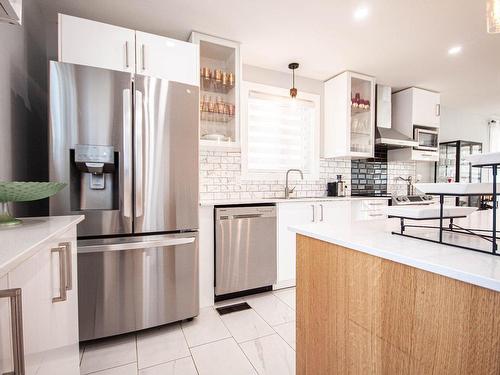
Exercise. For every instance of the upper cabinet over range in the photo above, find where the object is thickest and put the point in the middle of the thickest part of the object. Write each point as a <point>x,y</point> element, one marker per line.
<point>417,114</point>
<point>415,107</point>
<point>92,43</point>
<point>349,123</point>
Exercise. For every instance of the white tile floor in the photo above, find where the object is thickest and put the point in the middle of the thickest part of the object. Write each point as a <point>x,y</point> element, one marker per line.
<point>257,341</point>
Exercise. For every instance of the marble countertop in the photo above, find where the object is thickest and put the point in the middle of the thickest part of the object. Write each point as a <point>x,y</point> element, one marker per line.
<point>20,242</point>
<point>281,200</point>
<point>375,238</point>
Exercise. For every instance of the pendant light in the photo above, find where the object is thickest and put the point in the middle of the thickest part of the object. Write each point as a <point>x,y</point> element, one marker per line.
<point>293,90</point>
<point>493,16</point>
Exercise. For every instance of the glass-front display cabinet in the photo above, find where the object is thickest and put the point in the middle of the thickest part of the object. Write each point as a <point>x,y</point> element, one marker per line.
<point>453,167</point>
<point>220,76</point>
<point>349,126</point>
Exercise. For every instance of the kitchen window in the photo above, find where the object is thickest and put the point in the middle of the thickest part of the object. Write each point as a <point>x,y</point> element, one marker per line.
<point>279,133</point>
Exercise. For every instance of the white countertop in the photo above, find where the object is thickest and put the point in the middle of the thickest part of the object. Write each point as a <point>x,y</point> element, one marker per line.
<point>18,243</point>
<point>375,238</point>
<point>281,200</point>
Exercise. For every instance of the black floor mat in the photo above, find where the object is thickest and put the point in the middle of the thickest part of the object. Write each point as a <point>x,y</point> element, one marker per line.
<point>233,308</point>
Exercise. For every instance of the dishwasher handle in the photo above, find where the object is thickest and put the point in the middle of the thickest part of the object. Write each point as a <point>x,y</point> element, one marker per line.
<point>246,216</point>
<point>135,245</point>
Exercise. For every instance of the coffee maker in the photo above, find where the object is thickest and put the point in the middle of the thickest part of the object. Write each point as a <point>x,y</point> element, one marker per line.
<point>337,188</point>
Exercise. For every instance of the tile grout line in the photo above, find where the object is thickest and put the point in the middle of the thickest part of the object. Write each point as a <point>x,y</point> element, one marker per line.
<point>190,352</point>
<point>164,363</point>
<point>108,368</point>
<point>245,354</point>
<point>137,351</point>
<point>269,324</point>
<point>238,345</point>
<point>81,358</point>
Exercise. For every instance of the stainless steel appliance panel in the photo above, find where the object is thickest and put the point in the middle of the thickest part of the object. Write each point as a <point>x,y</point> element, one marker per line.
<point>245,251</point>
<point>91,106</point>
<point>128,284</point>
<point>166,157</point>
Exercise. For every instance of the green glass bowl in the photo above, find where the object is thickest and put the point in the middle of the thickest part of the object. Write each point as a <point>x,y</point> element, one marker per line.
<point>17,191</point>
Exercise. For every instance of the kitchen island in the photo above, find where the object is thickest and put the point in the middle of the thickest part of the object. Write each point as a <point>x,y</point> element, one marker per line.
<point>369,302</point>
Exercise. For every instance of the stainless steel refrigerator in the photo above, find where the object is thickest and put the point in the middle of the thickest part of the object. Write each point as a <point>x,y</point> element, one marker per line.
<point>127,145</point>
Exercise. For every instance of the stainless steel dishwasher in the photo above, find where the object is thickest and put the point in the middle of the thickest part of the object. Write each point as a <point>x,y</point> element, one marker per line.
<point>245,250</point>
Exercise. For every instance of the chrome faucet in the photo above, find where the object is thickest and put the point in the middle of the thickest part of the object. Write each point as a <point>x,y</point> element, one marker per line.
<point>288,190</point>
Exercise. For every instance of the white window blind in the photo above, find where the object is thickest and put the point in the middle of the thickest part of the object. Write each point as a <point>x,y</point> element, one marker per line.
<point>281,132</point>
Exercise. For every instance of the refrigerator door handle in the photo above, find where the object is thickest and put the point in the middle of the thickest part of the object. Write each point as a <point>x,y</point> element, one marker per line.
<point>127,153</point>
<point>138,154</point>
<point>135,245</point>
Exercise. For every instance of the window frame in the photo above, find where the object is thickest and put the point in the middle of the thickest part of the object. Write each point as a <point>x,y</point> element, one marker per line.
<point>246,174</point>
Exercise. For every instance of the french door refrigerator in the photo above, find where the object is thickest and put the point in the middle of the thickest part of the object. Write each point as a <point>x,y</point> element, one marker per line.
<point>127,145</point>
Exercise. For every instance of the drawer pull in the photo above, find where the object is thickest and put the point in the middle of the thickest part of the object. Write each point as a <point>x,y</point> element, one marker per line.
<point>16,312</point>
<point>63,274</point>
<point>69,265</point>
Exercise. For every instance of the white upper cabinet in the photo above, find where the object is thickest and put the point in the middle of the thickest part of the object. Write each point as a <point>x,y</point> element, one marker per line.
<point>11,11</point>
<point>426,108</point>
<point>96,44</point>
<point>349,116</point>
<point>415,107</point>
<point>167,58</point>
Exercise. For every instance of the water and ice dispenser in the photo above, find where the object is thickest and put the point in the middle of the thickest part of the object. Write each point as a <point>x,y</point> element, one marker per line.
<point>94,177</point>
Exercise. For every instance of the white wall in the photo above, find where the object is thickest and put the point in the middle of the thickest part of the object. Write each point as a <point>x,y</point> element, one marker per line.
<point>457,124</point>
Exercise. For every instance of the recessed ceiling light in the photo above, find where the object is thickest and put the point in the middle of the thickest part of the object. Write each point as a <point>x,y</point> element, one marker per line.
<point>361,12</point>
<point>455,50</point>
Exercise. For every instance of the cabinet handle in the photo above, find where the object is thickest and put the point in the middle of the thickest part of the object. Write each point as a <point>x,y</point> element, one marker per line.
<point>126,55</point>
<point>16,313</point>
<point>373,215</point>
<point>321,212</point>
<point>314,215</point>
<point>438,110</point>
<point>143,48</point>
<point>376,204</point>
<point>69,265</point>
<point>61,250</point>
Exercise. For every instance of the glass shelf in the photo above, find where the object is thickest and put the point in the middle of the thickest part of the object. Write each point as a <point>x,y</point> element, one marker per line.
<point>215,86</point>
<point>215,117</point>
<point>357,110</point>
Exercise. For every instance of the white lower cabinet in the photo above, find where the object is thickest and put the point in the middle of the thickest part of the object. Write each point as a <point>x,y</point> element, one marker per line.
<point>301,213</point>
<point>48,285</point>
<point>331,212</point>
<point>6,363</point>
<point>369,209</point>
<point>290,214</point>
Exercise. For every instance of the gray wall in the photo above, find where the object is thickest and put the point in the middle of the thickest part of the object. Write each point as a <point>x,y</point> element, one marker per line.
<point>23,93</point>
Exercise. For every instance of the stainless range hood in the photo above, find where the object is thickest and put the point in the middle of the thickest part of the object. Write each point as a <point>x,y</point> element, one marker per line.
<point>384,134</point>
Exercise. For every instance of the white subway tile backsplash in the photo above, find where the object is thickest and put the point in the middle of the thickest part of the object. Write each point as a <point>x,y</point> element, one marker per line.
<point>221,179</point>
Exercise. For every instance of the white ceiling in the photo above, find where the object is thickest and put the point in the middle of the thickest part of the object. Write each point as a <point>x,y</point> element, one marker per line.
<point>401,42</point>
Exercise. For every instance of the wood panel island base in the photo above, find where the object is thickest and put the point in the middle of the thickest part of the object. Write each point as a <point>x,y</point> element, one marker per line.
<point>362,314</point>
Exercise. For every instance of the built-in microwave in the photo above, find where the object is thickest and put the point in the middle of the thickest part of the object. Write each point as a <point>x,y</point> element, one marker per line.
<point>428,139</point>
